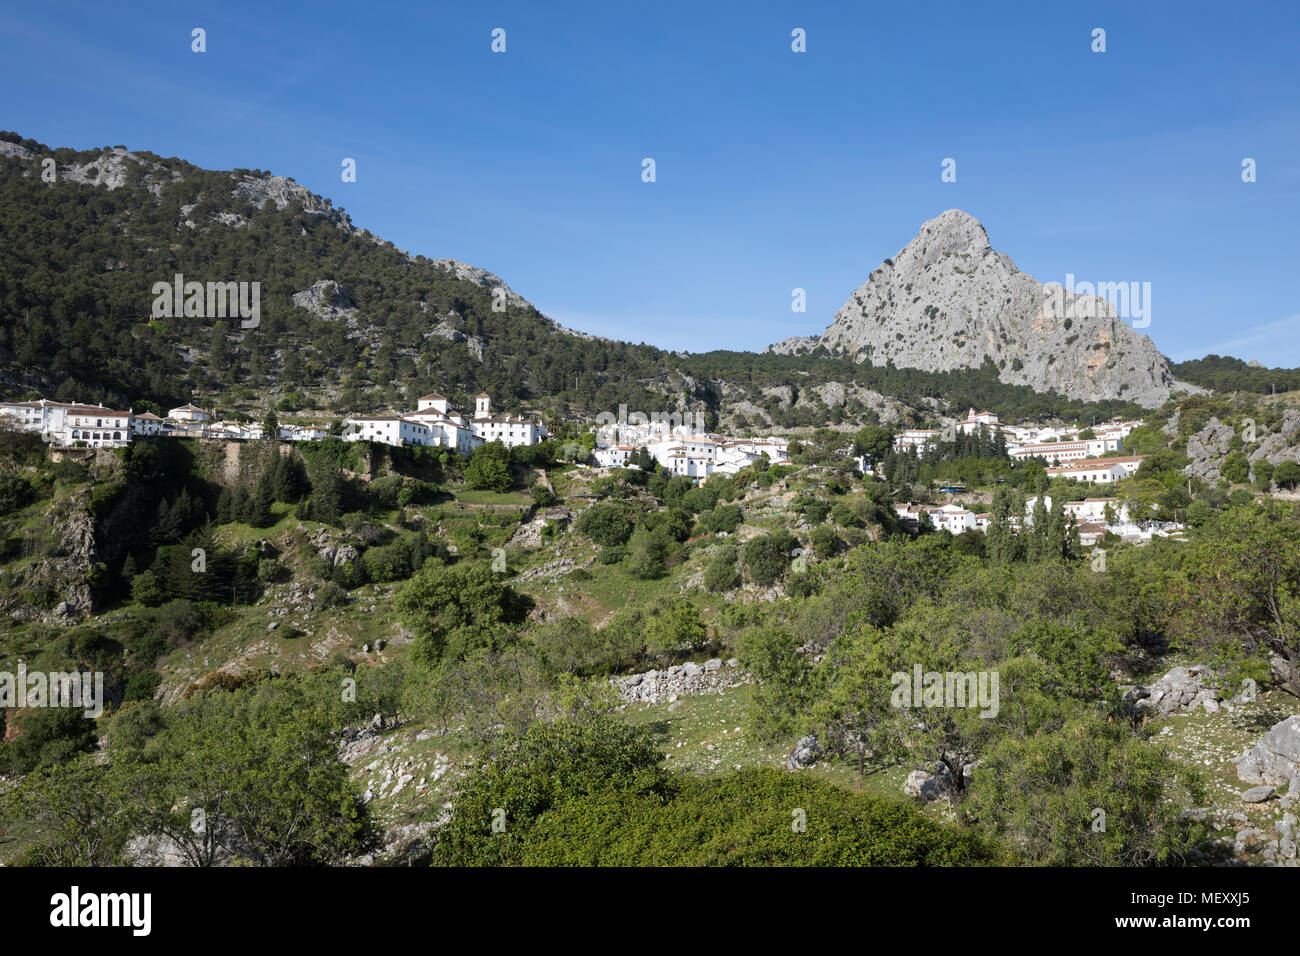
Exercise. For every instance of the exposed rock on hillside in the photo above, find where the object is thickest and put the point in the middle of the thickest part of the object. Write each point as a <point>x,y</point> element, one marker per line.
<point>949,301</point>
<point>1275,758</point>
<point>1207,449</point>
<point>1283,444</point>
<point>328,299</point>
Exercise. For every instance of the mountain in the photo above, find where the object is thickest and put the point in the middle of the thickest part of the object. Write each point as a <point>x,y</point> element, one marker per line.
<point>948,301</point>
<point>350,324</point>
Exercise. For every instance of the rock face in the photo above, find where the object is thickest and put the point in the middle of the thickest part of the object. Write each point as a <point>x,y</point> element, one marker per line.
<point>1207,449</point>
<point>481,277</point>
<point>1275,758</point>
<point>1283,444</point>
<point>327,299</point>
<point>949,301</point>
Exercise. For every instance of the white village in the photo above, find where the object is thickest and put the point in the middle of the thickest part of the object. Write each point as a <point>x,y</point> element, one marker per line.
<point>674,441</point>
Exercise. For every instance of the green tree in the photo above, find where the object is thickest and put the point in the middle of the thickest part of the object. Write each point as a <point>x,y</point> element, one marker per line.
<point>1287,475</point>
<point>606,523</point>
<point>1235,468</point>
<point>488,468</point>
<point>456,609</point>
<point>264,771</point>
<point>76,812</point>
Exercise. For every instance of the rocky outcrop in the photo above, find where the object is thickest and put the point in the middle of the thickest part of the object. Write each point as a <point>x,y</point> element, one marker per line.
<point>60,579</point>
<point>259,189</point>
<point>1275,758</point>
<point>1281,445</point>
<point>948,301</point>
<point>329,300</point>
<point>481,277</point>
<point>1207,449</point>
<point>334,552</point>
<point>936,783</point>
<point>228,849</point>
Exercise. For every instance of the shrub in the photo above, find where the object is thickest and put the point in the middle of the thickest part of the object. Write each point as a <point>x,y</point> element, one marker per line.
<point>824,540</point>
<point>1287,475</point>
<point>146,590</point>
<point>721,573</point>
<point>725,518</point>
<point>142,685</point>
<point>606,523</point>
<point>766,558</point>
<point>1235,468</point>
<point>330,595</point>
<point>612,555</point>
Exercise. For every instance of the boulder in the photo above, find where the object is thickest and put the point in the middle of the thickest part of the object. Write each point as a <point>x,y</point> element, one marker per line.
<point>805,753</point>
<point>1275,758</point>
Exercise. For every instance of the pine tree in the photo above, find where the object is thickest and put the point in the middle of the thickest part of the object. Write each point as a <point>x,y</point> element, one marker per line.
<point>259,509</point>
<point>225,505</point>
<point>241,507</point>
<point>166,524</point>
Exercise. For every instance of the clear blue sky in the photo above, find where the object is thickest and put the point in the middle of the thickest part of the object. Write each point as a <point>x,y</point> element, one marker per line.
<point>775,170</point>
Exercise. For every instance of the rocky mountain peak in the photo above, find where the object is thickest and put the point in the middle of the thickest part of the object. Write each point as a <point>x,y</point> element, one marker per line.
<point>947,300</point>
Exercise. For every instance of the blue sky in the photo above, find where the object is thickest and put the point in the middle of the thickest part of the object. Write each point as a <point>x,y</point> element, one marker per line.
<point>775,169</point>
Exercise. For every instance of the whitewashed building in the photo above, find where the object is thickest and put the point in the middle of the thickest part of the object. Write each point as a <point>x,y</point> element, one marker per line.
<point>1099,470</point>
<point>388,430</point>
<point>146,423</point>
<point>69,425</point>
<point>510,430</point>
<point>614,456</point>
<point>189,412</point>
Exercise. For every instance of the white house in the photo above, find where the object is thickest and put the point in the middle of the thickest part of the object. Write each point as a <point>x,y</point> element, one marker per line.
<point>1099,470</point>
<point>1065,451</point>
<point>680,462</point>
<point>614,456</point>
<point>146,423</point>
<point>189,413</point>
<point>64,424</point>
<point>302,433</point>
<point>953,518</point>
<point>388,430</point>
<point>916,438</point>
<point>511,430</point>
<point>974,420</point>
<point>1094,509</point>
